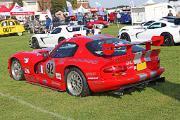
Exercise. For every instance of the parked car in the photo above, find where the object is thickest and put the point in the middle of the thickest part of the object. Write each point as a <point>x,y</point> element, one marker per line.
<point>168,30</point>
<point>59,34</point>
<point>82,65</point>
<point>97,23</point>
<point>11,26</point>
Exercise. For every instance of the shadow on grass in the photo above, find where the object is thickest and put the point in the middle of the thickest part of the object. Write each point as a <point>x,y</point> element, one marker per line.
<point>168,88</point>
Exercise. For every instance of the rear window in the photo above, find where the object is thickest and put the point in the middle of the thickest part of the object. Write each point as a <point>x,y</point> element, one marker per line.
<point>95,47</point>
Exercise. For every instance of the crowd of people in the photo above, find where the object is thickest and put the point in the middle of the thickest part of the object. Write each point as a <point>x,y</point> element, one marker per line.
<point>33,24</point>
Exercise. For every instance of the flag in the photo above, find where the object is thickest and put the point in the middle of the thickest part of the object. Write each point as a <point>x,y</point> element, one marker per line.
<point>70,9</point>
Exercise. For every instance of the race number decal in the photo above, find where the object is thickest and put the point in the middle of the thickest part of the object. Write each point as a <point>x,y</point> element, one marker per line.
<point>50,69</point>
<point>8,29</point>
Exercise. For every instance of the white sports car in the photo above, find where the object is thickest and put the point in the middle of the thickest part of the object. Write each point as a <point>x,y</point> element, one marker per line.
<point>169,31</point>
<point>58,34</point>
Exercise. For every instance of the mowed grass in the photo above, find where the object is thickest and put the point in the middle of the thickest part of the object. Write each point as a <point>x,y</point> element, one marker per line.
<point>23,101</point>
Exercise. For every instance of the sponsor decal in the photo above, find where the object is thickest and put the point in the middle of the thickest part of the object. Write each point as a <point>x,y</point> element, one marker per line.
<point>91,74</point>
<point>50,68</point>
<point>26,71</point>
<point>93,78</point>
<point>85,61</point>
<point>44,81</point>
<point>61,62</point>
<point>41,69</point>
<point>58,76</point>
<point>26,60</point>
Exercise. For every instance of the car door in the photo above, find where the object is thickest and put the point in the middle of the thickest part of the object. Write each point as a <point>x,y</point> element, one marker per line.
<point>4,27</point>
<point>77,30</point>
<point>155,29</point>
<point>51,71</point>
<point>51,40</point>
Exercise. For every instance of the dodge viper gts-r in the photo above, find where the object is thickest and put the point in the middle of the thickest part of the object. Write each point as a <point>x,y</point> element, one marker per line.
<point>82,65</point>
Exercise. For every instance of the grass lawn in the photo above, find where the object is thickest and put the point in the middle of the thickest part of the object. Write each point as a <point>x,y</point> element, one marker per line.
<point>23,101</point>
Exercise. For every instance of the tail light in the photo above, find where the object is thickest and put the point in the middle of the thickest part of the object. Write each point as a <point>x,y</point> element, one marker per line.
<point>115,69</point>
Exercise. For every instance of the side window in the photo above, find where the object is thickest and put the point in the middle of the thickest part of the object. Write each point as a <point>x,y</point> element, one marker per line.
<point>11,23</point>
<point>76,29</point>
<point>56,31</point>
<point>155,25</point>
<point>65,50</point>
<point>4,23</point>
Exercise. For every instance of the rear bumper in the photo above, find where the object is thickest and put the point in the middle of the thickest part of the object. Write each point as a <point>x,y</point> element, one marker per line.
<point>121,81</point>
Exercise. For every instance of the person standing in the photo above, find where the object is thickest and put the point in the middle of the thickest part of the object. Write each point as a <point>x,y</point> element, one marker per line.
<point>48,24</point>
<point>118,20</point>
<point>170,13</point>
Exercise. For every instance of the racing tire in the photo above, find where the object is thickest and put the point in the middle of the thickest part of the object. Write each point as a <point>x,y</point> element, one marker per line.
<point>60,39</point>
<point>19,33</point>
<point>125,36</point>
<point>168,39</point>
<point>16,70</point>
<point>76,83</point>
<point>35,43</point>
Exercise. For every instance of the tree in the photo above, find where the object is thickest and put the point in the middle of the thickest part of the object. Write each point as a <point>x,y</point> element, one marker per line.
<point>19,2</point>
<point>74,3</point>
<point>58,5</point>
<point>44,4</point>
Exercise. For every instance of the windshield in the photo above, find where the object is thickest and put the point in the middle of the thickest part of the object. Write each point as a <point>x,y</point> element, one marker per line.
<point>95,47</point>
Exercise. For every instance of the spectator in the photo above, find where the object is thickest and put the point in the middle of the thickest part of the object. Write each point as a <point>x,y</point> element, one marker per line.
<point>170,13</point>
<point>79,18</point>
<point>118,17</point>
<point>48,24</point>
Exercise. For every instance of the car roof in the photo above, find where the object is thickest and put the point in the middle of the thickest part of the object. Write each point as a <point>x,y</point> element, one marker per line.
<point>85,39</point>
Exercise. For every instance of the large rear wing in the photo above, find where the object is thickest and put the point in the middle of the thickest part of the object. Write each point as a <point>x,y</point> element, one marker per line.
<point>108,49</point>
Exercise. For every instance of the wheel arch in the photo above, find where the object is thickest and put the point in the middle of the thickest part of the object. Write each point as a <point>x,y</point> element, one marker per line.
<point>66,69</point>
<point>59,39</point>
<point>72,66</point>
<point>163,33</point>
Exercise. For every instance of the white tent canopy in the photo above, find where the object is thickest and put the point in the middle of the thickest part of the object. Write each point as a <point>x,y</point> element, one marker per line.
<point>149,2</point>
<point>81,9</point>
<point>18,10</point>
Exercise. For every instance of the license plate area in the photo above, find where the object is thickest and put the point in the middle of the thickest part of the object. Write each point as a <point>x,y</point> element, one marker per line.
<point>141,66</point>
<point>90,34</point>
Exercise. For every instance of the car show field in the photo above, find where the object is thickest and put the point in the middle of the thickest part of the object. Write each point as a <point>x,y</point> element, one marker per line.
<point>22,101</point>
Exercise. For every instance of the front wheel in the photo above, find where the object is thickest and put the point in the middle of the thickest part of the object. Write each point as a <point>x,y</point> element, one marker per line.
<point>168,39</point>
<point>16,70</point>
<point>125,36</point>
<point>19,33</point>
<point>35,43</point>
<point>76,83</point>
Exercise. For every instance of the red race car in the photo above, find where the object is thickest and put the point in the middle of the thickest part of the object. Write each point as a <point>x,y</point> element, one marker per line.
<point>98,23</point>
<point>82,65</point>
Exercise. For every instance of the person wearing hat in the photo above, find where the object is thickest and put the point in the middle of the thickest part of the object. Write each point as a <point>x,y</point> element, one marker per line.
<point>48,24</point>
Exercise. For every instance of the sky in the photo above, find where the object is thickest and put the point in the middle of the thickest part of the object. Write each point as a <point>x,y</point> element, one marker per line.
<point>114,3</point>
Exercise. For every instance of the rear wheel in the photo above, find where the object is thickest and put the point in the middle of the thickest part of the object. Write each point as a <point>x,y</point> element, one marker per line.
<point>16,70</point>
<point>168,39</point>
<point>76,83</point>
<point>35,43</point>
<point>125,36</point>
